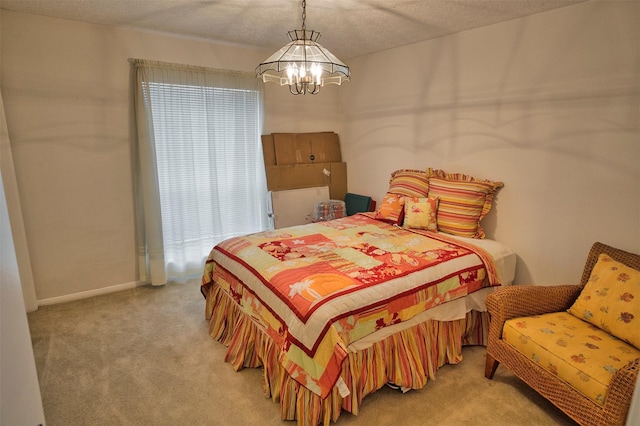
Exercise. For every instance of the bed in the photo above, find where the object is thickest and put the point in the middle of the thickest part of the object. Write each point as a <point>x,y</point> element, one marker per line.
<point>333,311</point>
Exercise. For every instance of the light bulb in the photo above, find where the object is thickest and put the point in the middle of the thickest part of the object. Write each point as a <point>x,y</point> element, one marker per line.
<point>316,70</point>
<point>291,70</point>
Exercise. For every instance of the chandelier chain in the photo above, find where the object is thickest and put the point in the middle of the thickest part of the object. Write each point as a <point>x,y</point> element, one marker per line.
<point>304,14</point>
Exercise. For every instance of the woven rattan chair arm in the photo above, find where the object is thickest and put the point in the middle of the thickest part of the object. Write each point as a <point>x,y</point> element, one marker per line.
<point>620,392</point>
<point>524,300</point>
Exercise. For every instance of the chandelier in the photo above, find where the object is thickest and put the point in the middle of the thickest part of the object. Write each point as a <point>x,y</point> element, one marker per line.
<point>303,64</point>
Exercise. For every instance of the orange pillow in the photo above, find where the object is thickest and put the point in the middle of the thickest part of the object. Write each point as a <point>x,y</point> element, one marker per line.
<point>391,208</point>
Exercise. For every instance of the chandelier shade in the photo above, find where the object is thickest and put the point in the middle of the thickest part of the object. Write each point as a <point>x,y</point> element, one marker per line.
<point>303,64</point>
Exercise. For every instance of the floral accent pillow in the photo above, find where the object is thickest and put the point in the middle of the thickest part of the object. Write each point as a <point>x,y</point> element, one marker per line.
<point>420,213</point>
<point>611,300</point>
<point>391,208</point>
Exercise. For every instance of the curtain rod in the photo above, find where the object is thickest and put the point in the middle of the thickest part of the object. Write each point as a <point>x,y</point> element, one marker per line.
<point>196,68</point>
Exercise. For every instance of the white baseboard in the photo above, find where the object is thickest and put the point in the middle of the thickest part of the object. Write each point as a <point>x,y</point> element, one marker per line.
<point>90,293</point>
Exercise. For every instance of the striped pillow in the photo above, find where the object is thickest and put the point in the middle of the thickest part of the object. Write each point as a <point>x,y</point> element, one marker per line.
<point>408,182</point>
<point>464,202</point>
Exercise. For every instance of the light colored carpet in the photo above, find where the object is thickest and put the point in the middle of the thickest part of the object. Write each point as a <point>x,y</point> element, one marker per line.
<point>144,357</point>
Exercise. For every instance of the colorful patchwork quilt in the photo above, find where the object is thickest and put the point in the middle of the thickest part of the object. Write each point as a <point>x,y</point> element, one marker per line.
<point>316,288</point>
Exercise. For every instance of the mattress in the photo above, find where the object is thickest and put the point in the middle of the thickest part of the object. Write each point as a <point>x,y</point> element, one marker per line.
<point>505,261</point>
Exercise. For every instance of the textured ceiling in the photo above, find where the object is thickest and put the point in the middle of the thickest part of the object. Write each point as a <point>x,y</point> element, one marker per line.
<point>349,28</point>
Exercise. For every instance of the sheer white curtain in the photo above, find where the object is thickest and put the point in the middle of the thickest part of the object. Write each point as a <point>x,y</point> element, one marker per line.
<point>200,173</point>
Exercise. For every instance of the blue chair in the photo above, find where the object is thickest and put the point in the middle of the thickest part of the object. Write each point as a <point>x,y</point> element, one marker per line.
<point>355,203</point>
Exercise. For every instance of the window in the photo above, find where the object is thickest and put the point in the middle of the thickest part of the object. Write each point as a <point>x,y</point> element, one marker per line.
<point>204,136</point>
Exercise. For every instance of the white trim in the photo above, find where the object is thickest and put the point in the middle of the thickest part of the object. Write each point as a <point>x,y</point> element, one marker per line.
<point>90,293</point>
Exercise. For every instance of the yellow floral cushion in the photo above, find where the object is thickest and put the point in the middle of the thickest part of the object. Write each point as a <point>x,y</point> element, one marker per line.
<point>611,300</point>
<point>577,352</point>
<point>420,213</point>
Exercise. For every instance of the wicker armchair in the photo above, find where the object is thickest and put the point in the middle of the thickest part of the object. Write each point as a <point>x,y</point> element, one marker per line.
<point>522,301</point>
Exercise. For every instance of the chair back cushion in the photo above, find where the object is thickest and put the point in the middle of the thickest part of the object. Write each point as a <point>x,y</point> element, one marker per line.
<point>611,300</point>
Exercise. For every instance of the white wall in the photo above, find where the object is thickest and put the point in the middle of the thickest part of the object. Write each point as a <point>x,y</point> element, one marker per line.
<point>286,113</point>
<point>20,402</point>
<point>548,104</point>
<point>67,96</point>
